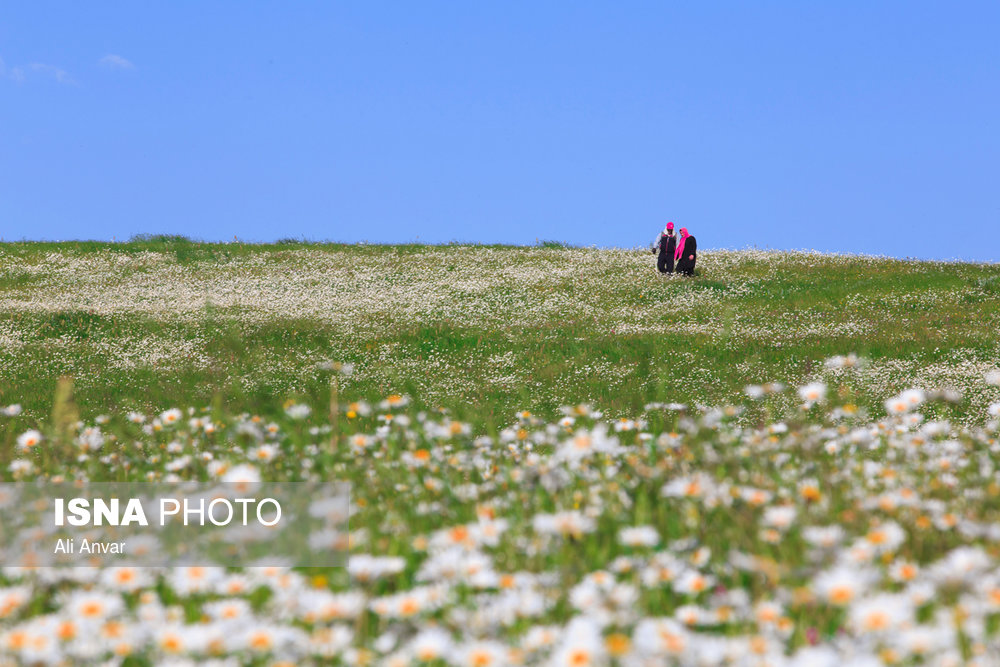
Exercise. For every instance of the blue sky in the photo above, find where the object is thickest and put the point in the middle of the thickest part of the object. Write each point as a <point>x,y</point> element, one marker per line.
<point>871,127</point>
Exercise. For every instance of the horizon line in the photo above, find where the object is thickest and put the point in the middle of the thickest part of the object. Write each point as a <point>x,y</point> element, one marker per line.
<point>539,244</point>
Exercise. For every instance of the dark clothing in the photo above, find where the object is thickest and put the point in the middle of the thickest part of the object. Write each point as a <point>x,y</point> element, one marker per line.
<point>684,264</point>
<point>665,262</point>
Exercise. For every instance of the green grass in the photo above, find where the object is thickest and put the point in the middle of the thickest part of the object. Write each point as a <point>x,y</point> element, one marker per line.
<point>752,318</point>
<point>487,331</point>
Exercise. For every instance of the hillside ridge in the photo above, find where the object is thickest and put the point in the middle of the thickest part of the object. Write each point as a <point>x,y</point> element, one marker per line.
<point>466,327</point>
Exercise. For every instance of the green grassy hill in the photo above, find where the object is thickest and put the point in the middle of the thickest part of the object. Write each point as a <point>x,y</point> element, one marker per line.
<point>482,330</point>
<point>800,525</point>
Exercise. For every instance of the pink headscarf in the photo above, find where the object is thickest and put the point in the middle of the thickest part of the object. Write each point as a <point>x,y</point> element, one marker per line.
<point>679,252</point>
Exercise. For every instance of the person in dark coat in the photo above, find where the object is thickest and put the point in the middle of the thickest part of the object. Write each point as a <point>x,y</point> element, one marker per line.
<point>686,253</point>
<point>666,246</point>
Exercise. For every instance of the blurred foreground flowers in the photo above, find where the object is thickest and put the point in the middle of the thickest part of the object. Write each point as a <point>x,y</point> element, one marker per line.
<point>676,537</point>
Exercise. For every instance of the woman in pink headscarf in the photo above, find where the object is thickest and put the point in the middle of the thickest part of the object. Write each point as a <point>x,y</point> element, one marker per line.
<point>686,253</point>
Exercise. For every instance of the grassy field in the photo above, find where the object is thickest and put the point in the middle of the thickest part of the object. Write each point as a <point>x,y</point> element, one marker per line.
<point>557,456</point>
<point>483,331</point>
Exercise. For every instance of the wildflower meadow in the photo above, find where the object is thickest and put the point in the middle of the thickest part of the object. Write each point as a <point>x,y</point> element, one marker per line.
<point>556,456</point>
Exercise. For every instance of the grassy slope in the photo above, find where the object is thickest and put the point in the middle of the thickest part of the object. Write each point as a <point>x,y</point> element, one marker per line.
<point>484,331</point>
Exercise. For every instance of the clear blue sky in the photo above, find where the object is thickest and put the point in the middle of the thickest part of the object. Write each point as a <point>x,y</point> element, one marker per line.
<point>857,126</point>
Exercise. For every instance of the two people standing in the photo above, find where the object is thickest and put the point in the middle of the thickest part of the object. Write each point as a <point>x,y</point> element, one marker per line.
<point>675,254</point>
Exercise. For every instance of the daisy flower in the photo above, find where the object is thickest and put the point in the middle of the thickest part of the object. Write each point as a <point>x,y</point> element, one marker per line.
<point>28,440</point>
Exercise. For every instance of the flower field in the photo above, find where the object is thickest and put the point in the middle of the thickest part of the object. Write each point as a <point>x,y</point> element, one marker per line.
<point>483,331</point>
<point>557,457</point>
<point>678,537</point>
